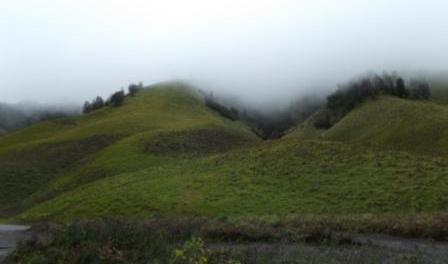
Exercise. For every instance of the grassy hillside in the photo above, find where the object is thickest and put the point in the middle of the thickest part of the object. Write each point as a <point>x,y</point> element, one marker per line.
<point>274,178</point>
<point>163,153</point>
<point>306,130</point>
<point>44,160</point>
<point>416,126</point>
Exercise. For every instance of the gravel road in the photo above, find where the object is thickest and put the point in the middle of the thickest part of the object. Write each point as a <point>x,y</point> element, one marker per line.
<point>9,237</point>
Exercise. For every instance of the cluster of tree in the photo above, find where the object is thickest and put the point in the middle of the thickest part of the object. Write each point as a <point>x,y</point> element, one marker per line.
<point>13,117</point>
<point>96,103</point>
<point>133,89</point>
<point>116,99</point>
<point>267,123</point>
<point>213,103</point>
<point>348,96</point>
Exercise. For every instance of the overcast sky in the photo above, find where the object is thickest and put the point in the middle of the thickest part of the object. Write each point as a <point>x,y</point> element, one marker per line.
<point>53,50</point>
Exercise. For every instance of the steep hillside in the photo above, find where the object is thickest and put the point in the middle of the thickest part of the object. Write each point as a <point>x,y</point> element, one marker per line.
<point>52,157</point>
<point>417,126</point>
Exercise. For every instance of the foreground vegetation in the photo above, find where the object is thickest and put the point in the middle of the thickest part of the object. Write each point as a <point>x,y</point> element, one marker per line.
<point>182,240</point>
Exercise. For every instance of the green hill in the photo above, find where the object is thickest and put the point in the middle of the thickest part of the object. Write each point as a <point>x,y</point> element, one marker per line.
<point>164,153</point>
<point>388,123</point>
<point>51,157</point>
<point>307,130</point>
<point>416,126</point>
<point>272,179</point>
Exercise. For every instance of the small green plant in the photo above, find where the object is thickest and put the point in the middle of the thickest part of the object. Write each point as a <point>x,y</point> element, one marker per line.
<point>192,252</point>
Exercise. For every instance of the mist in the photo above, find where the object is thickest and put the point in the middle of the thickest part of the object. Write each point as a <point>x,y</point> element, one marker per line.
<point>17,116</point>
<point>263,52</point>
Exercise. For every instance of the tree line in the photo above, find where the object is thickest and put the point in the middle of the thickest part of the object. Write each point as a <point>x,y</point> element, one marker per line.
<point>116,99</point>
<point>354,93</point>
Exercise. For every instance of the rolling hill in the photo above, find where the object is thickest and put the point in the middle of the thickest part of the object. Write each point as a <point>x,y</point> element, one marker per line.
<point>419,127</point>
<point>51,157</point>
<point>416,126</point>
<point>164,153</point>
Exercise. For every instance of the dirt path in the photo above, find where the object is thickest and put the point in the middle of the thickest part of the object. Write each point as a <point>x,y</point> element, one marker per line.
<point>365,249</point>
<point>9,237</point>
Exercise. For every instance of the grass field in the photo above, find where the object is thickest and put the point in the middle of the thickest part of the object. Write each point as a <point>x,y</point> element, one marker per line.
<point>163,153</point>
<point>273,178</point>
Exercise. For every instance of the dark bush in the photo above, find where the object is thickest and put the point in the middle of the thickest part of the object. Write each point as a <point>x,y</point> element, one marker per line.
<point>96,103</point>
<point>322,120</point>
<point>133,89</point>
<point>117,98</point>
<point>227,112</point>
<point>400,89</point>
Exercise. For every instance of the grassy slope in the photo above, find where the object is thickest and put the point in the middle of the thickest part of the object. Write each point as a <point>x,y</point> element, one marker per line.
<point>306,130</point>
<point>416,126</point>
<point>387,122</point>
<point>174,157</point>
<point>49,158</point>
<point>275,178</point>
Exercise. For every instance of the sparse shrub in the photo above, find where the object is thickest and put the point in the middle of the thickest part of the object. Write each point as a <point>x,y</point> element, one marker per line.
<point>96,103</point>
<point>117,98</point>
<point>133,89</point>
<point>192,252</point>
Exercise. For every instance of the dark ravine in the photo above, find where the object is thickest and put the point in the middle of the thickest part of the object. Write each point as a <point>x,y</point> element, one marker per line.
<point>10,235</point>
